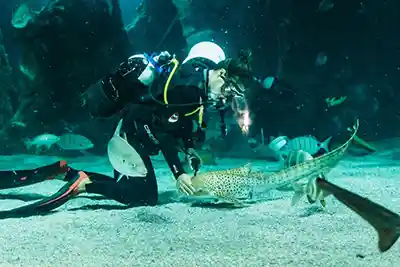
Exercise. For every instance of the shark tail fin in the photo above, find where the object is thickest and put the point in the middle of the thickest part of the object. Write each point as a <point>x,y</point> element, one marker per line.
<point>384,221</point>
<point>298,193</point>
<point>387,237</point>
<point>325,144</point>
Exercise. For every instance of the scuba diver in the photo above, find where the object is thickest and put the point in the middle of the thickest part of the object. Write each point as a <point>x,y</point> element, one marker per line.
<point>162,104</point>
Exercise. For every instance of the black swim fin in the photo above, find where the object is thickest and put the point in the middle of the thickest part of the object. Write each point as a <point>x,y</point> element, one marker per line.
<point>47,204</point>
<point>18,178</point>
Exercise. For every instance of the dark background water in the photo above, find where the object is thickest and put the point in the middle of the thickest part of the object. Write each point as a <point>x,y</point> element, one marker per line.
<point>360,39</point>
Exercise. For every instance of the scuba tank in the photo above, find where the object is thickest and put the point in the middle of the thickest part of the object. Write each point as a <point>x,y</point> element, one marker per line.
<point>128,84</point>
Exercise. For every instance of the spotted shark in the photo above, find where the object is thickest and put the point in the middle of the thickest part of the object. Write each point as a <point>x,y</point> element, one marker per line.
<point>234,184</point>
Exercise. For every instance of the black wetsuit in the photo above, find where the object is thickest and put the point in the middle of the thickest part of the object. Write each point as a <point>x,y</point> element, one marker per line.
<point>151,127</point>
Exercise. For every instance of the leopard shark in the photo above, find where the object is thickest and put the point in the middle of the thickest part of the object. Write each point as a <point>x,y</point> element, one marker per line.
<point>234,184</point>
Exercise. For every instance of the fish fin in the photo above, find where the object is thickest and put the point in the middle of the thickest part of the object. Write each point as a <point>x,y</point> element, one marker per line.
<point>120,175</point>
<point>296,198</point>
<point>325,144</point>
<point>48,146</point>
<point>118,128</point>
<point>28,144</point>
<point>323,202</point>
<point>281,156</point>
<point>364,144</point>
<point>296,187</point>
<point>310,200</point>
<point>387,237</point>
<point>298,193</point>
<point>384,221</point>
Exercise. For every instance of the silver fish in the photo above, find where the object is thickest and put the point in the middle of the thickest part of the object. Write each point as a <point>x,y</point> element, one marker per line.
<point>295,157</point>
<point>308,144</point>
<point>44,140</point>
<point>74,142</point>
<point>123,157</point>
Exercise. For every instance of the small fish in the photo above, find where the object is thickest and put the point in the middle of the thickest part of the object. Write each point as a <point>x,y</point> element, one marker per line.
<point>123,157</point>
<point>321,59</point>
<point>18,124</point>
<point>74,142</point>
<point>296,157</point>
<point>310,188</point>
<point>43,140</point>
<point>385,222</point>
<point>333,101</point>
<point>308,144</point>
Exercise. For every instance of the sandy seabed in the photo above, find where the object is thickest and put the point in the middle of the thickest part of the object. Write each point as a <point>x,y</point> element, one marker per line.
<point>91,231</point>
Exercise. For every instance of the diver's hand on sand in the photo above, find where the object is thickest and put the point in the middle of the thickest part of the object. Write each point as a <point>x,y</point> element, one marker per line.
<point>184,184</point>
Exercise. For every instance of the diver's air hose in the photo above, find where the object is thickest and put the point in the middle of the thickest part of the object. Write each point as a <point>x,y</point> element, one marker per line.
<point>176,64</point>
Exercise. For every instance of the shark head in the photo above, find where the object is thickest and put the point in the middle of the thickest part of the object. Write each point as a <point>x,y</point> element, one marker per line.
<point>226,184</point>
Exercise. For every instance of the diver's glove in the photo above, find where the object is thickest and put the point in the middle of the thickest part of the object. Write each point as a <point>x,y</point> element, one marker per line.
<point>193,159</point>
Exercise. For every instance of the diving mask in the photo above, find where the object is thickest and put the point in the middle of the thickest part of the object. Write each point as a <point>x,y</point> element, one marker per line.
<point>232,88</point>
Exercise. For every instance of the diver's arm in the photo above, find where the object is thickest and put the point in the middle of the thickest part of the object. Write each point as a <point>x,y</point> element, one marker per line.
<point>170,152</point>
